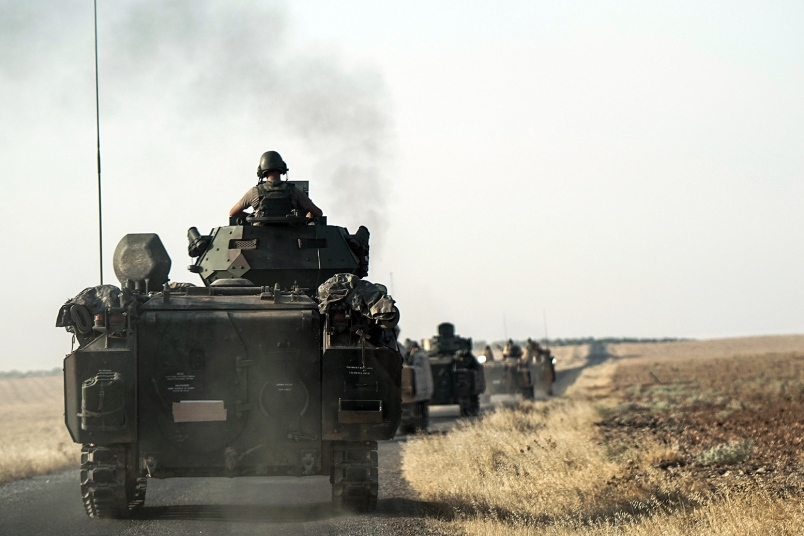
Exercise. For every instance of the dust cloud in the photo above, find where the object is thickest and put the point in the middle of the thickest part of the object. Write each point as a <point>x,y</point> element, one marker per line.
<point>181,67</point>
<point>235,61</point>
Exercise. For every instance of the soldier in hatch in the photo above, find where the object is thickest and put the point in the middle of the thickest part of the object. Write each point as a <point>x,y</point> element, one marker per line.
<point>272,197</point>
<point>512,350</point>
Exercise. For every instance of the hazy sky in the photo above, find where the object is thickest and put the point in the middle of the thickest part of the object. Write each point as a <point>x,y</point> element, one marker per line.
<point>626,168</point>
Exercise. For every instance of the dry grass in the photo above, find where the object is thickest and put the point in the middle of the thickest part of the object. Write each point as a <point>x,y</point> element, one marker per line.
<point>730,516</point>
<point>549,468</point>
<point>33,438</point>
<point>515,463</point>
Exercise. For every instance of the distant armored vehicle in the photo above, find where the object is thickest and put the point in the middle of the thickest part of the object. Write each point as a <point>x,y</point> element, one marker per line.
<point>457,375</point>
<point>283,363</point>
<point>417,389</point>
<point>541,368</point>
<point>519,372</point>
<point>509,375</point>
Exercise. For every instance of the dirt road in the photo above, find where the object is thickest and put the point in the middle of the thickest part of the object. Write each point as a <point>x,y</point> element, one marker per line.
<point>51,505</point>
<point>597,354</point>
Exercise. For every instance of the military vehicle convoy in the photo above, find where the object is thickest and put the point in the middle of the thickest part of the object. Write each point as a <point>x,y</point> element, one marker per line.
<point>417,388</point>
<point>283,363</point>
<point>458,377</point>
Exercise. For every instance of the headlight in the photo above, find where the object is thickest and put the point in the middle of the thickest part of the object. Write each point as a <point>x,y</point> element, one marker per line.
<point>481,359</point>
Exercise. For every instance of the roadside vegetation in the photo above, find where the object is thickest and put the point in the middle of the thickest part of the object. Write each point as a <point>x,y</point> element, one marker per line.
<point>33,438</point>
<point>692,437</point>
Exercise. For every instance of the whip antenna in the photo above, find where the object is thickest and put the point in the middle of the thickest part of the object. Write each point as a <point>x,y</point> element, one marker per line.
<point>97,129</point>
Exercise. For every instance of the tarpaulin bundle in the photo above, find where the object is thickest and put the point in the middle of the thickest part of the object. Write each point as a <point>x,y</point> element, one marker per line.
<point>359,295</point>
<point>96,300</point>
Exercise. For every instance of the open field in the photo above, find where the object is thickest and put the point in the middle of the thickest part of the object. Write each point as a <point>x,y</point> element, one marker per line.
<point>694,437</point>
<point>753,346</point>
<point>33,438</point>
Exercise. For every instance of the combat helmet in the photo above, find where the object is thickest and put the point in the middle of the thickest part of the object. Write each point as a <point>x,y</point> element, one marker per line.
<point>271,161</point>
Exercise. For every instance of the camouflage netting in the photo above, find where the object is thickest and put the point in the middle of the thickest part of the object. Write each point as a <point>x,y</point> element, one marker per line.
<point>96,300</point>
<point>359,295</point>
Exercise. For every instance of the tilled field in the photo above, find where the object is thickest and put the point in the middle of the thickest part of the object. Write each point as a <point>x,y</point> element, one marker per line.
<point>725,423</point>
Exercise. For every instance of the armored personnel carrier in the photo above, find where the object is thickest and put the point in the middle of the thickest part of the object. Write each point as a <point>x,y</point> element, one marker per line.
<point>509,375</point>
<point>525,373</point>
<point>417,388</point>
<point>457,375</point>
<point>541,368</point>
<point>284,362</point>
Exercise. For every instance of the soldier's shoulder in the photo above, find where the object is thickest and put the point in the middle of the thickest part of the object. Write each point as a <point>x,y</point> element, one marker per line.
<point>251,192</point>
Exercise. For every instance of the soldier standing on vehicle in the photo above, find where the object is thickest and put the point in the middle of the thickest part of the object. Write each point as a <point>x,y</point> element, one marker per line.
<point>532,350</point>
<point>489,353</point>
<point>272,197</point>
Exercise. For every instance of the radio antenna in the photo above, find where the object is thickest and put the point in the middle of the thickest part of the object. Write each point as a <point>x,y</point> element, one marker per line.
<point>97,130</point>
